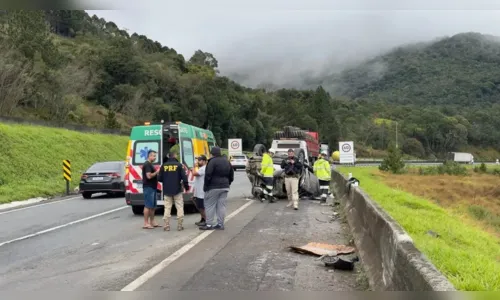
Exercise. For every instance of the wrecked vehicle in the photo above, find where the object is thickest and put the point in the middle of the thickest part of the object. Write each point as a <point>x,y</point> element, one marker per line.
<point>308,182</point>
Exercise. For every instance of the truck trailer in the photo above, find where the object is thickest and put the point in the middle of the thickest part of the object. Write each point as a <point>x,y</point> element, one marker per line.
<point>461,157</point>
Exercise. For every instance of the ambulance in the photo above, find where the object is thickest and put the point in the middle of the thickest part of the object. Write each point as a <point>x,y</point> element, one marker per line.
<point>191,142</point>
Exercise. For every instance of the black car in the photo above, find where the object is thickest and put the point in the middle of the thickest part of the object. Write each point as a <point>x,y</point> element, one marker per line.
<point>103,177</point>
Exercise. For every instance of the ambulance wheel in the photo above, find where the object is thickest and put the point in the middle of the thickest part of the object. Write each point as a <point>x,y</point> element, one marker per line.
<point>86,195</point>
<point>138,210</point>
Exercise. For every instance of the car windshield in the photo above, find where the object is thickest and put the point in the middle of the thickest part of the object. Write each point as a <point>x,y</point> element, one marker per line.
<point>105,166</point>
<point>239,157</point>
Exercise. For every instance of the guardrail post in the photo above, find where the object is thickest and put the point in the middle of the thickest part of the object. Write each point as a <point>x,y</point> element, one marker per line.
<point>67,173</point>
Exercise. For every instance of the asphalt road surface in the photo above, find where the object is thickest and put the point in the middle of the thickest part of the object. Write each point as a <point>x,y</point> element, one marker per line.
<point>99,245</point>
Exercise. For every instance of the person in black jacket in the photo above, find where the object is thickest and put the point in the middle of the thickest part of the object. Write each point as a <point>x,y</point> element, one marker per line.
<point>173,177</point>
<point>219,175</point>
<point>292,169</point>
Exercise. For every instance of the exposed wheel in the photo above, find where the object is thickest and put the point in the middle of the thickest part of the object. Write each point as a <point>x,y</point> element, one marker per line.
<point>259,149</point>
<point>86,195</point>
<point>256,192</point>
<point>138,210</point>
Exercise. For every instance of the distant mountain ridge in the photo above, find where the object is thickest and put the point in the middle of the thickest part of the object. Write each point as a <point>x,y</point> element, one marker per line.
<point>463,69</point>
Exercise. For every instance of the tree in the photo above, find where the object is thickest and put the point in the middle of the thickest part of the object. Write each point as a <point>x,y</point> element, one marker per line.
<point>393,162</point>
<point>204,59</point>
<point>28,32</point>
<point>414,147</point>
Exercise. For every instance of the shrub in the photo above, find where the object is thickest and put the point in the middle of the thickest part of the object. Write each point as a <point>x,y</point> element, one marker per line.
<point>393,162</point>
<point>449,167</point>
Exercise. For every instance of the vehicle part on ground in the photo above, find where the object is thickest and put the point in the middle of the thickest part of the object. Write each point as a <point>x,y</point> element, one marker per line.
<point>339,263</point>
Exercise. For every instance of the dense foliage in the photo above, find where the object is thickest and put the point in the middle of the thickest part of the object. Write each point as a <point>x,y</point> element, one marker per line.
<point>66,66</point>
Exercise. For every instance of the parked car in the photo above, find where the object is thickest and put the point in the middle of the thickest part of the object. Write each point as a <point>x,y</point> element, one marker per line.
<point>239,161</point>
<point>103,177</point>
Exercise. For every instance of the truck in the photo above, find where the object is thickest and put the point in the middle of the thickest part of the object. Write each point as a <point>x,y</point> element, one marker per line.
<point>295,138</point>
<point>461,157</point>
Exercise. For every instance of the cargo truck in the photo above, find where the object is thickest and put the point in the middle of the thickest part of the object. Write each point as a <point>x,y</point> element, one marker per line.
<point>461,157</point>
<point>295,138</point>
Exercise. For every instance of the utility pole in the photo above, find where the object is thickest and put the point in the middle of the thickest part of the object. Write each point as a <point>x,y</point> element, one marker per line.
<point>396,134</point>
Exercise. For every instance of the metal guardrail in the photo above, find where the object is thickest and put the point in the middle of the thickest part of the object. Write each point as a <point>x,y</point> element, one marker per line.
<point>369,163</point>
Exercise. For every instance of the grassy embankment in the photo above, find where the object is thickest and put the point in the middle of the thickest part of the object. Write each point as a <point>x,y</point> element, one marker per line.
<point>31,158</point>
<point>463,210</point>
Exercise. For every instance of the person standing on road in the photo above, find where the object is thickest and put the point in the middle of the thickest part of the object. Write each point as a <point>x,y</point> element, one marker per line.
<point>149,187</point>
<point>219,175</point>
<point>173,176</point>
<point>199,194</point>
<point>323,171</point>
<point>267,171</point>
<point>292,169</point>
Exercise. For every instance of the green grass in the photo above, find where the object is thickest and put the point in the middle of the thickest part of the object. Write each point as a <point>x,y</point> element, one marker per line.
<point>31,158</point>
<point>465,254</point>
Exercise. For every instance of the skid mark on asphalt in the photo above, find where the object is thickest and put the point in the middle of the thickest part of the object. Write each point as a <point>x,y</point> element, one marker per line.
<point>61,226</point>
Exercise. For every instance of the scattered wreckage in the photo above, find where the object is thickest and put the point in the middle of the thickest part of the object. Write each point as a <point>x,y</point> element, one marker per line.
<point>308,182</point>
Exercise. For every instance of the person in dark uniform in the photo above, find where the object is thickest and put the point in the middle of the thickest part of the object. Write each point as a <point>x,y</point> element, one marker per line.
<point>292,168</point>
<point>173,177</point>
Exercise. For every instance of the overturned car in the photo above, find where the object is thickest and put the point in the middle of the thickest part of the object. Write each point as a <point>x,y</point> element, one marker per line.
<point>308,182</point>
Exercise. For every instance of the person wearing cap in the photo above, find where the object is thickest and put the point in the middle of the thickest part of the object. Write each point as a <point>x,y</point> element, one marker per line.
<point>323,171</point>
<point>292,169</point>
<point>173,177</point>
<point>219,175</point>
<point>199,195</point>
<point>267,171</point>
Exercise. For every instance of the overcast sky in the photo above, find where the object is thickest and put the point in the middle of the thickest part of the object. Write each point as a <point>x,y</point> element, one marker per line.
<point>275,40</point>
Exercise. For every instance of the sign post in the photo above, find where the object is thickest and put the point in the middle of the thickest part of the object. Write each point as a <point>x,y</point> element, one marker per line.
<point>346,152</point>
<point>67,173</point>
<point>234,147</point>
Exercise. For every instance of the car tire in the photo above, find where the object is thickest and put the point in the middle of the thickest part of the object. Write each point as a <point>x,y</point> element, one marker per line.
<point>86,195</point>
<point>138,210</point>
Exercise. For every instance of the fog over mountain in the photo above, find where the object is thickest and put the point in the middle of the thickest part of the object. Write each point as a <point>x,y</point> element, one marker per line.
<point>294,43</point>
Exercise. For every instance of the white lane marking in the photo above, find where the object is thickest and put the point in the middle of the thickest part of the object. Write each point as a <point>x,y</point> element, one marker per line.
<point>37,205</point>
<point>62,226</point>
<point>167,261</point>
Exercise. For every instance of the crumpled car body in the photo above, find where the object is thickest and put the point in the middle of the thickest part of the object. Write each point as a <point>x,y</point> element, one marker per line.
<point>308,182</point>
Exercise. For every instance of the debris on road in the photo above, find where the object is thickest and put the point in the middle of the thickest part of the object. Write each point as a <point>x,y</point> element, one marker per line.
<point>320,249</point>
<point>339,263</point>
<point>322,221</point>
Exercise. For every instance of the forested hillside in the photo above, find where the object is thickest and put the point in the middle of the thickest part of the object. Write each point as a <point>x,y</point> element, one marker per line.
<point>69,67</point>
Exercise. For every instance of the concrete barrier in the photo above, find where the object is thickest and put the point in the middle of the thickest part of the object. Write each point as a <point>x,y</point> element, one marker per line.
<point>388,254</point>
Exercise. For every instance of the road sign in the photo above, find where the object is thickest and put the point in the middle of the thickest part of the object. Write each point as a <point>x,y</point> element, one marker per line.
<point>346,152</point>
<point>67,173</point>
<point>234,146</point>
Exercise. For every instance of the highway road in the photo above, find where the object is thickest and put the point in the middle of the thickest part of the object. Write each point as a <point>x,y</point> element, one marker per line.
<point>99,245</point>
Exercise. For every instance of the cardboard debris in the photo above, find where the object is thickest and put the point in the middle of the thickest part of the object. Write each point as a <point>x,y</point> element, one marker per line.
<point>320,249</point>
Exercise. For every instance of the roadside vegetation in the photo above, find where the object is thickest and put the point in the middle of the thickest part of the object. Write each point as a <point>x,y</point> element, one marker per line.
<point>463,209</point>
<point>31,158</point>
<point>69,67</point>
